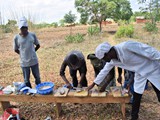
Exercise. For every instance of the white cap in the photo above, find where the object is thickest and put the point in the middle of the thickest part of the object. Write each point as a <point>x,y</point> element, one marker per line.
<point>102,49</point>
<point>23,22</point>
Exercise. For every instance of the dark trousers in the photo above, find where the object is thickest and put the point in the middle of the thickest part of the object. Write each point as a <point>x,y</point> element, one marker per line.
<point>136,102</point>
<point>35,72</point>
<point>73,74</point>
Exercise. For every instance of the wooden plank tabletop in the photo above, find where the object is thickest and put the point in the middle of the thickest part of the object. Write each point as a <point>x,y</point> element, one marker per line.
<point>68,99</point>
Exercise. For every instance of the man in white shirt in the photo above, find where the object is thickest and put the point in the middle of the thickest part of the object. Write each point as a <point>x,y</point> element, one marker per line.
<point>140,58</point>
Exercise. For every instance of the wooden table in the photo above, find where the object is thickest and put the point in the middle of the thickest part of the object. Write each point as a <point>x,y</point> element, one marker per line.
<point>5,100</point>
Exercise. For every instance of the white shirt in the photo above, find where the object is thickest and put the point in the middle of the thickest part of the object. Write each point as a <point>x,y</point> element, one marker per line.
<point>140,58</point>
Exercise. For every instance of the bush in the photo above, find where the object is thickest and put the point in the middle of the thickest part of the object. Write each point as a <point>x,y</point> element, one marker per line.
<point>69,38</point>
<point>93,30</point>
<point>74,38</point>
<point>129,31</point>
<point>122,22</point>
<point>132,19</point>
<point>42,25</point>
<point>125,31</point>
<point>45,25</point>
<point>10,27</point>
<point>54,24</point>
<point>120,32</point>
<point>78,38</point>
<point>149,27</point>
<point>7,30</point>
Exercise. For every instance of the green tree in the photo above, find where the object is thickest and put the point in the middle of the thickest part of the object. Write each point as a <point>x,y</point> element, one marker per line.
<point>99,10</point>
<point>10,26</point>
<point>139,13</point>
<point>157,10</point>
<point>84,18</point>
<point>70,18</point>
<point>153,7</point>
<point>123,10</point>
<point>142,13</point>
<point>61,22</point>
<point>54,24</point>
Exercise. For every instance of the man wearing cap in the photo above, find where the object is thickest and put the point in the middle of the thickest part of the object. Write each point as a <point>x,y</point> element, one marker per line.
<point>76,62</point>
<point>26,44</point>
<point>140,58</point>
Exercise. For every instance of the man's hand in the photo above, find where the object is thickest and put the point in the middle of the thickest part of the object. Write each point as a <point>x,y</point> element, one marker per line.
<point>128,87</point>
<point>79,85</point>
<point>69,85</point>
<point>37,47</point>
<point>91,86</point>
<point>119,79</point>
<point>67,82</point>
<point>17,51</point>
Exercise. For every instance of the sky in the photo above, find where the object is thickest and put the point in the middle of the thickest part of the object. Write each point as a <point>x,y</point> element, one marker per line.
<point>42,10</point>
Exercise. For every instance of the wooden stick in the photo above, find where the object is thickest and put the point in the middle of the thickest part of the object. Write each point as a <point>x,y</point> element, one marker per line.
<point>58,109</point>
<point>4,105</point>
<point>123,109</point>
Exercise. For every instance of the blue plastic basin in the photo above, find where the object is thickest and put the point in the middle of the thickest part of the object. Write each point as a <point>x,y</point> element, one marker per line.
<point>45,88</point>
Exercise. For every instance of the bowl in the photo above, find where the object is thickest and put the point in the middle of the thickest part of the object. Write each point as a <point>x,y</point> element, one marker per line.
<point>45,88</point>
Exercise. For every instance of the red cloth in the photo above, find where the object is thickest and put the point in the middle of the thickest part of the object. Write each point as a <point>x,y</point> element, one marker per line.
<point>1,92</point>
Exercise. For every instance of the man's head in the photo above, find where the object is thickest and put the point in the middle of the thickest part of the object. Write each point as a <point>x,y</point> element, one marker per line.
<point>94,60</point>
<point>24,31</point>
<point>23,26</point>
<point>73,60</point>
<point>102,49</point>
<point>106,52</point>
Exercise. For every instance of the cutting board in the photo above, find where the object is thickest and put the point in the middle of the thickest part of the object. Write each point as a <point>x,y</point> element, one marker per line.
<point>71,92</point>
<point>57,92</point>
<point>95,92</point>
<point>117,91</point>
<point>98,94</point>
<point>83,93</point>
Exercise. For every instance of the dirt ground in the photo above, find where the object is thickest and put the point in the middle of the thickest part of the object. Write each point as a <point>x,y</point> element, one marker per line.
<point>51,54</point>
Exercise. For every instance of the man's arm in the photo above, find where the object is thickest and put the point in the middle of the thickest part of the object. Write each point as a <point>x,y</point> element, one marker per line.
<point>62,74</point>
<point>36,42</point>
<point>108,79</point>
<point>37,47</point>
<point>15,45</point>
<point>17,51</point>
<point>83,70</point>
<point>103,73</point>
<point>119,79</point>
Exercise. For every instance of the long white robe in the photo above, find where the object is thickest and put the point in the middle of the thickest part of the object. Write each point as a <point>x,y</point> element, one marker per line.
<point>140,58</point>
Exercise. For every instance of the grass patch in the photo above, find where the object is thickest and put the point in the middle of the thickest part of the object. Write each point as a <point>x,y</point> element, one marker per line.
<point>77,38</point>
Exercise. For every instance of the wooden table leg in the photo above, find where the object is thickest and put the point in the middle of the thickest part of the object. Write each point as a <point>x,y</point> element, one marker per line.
<point>123,109</point>
<point>4,105</point>
<point>58,109</point>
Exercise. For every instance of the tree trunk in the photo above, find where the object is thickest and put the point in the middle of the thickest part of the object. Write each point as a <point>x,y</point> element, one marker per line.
<point>152,15</point>
<point>71,30</point>
<point>100,26</point>
<point>152,18</point>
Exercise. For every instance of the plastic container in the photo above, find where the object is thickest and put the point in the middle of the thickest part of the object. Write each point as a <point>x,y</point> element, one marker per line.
<point>45,88</point>
<point>9,113</point>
